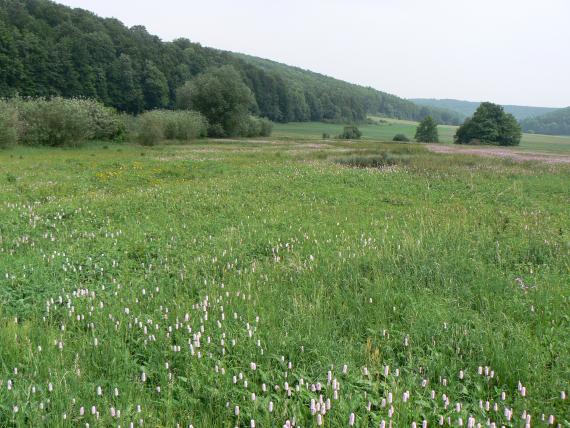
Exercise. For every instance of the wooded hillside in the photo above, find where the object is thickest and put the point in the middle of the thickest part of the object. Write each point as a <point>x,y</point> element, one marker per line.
<point>47,49</point>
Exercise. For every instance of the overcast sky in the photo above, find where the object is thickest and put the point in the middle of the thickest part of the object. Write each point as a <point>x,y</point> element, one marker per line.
<point>506,51</point>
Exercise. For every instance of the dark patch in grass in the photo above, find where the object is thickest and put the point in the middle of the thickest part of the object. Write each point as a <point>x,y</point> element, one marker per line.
<point>377,161</point>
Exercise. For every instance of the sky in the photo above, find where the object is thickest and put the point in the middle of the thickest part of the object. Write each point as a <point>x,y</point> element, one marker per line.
<point>504,51</point>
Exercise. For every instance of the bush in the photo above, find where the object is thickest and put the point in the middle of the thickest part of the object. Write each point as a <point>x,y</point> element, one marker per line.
<point>400,137</point>
<point>56,122</point>
<point>255,127</point>
<point>150,129</point>
<point>106,123</point>
<point>326,136</point>
<point>155,126</point>
<point>184,125</point>
<point>350,133</point>
<point>9,124</point>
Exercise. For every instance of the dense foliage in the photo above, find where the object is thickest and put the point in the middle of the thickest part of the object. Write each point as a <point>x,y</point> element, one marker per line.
<point>52,50</point>
<point>490,125</point>
<point>468,108</point>
<point>554,123</point>
<point>57,122</point>
<point>426,131</point>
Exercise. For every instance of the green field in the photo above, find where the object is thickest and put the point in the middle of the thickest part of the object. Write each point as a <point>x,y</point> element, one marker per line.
<point>386,131</point>
<point>217,283</point>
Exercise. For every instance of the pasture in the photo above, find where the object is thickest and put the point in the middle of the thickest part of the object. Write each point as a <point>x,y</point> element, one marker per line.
<point>266,283</point>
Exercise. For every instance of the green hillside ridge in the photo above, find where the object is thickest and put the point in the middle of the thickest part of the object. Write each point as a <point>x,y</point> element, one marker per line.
<point>375,102</point>
<point>553,123</point>
<point>467,108</point>
<point>49,49</point>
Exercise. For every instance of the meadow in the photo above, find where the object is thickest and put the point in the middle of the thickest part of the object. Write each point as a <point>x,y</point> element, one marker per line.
<point>386,129</point>
<point>281,283</point>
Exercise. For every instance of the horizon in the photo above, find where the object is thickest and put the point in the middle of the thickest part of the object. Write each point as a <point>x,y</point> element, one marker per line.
<point>494,65</point>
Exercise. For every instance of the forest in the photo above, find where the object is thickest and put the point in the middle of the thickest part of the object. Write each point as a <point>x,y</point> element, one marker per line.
<point>553,123</point>
<point>48,50</point>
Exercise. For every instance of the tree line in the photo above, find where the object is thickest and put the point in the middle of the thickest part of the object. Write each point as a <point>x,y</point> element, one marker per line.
<point>553,123</point>
<point>49,50</point>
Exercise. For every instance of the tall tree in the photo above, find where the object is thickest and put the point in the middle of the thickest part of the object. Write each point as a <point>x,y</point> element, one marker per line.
<point>427,131</point>
<point>221,95</point>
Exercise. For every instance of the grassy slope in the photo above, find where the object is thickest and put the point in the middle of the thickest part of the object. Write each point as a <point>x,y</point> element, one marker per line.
<point>342,266</point>
<point>386,131</point>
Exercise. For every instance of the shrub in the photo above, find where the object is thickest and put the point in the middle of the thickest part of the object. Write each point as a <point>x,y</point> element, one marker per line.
<point>9,124</point>
<point>55,122</point>
<point>150,129</point>
<point>350,133</point>
<point>326,136</point>
<point>216,131</point>
<point>155,126</point>
<point>266,127</point>
<point>400,137</point>
<point>255,127</point>
<point>184,125</point>
<point>106,123</point>
<point>58,121</point>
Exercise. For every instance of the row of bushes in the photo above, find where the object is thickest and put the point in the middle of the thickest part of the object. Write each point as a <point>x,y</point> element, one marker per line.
<point>69,122</point>
<point>57,122</point>
<point>184,125</point>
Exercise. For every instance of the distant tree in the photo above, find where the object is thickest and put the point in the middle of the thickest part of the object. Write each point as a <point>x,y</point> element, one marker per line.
<point>490,125</point>
<point>221,96</point>
<point>427,131</point>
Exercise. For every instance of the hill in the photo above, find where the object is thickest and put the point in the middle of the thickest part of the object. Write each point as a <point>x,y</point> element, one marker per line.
<point>48,49</point>
<point>375,102</point>
<point>554,123</point>
<point>467,108</point>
